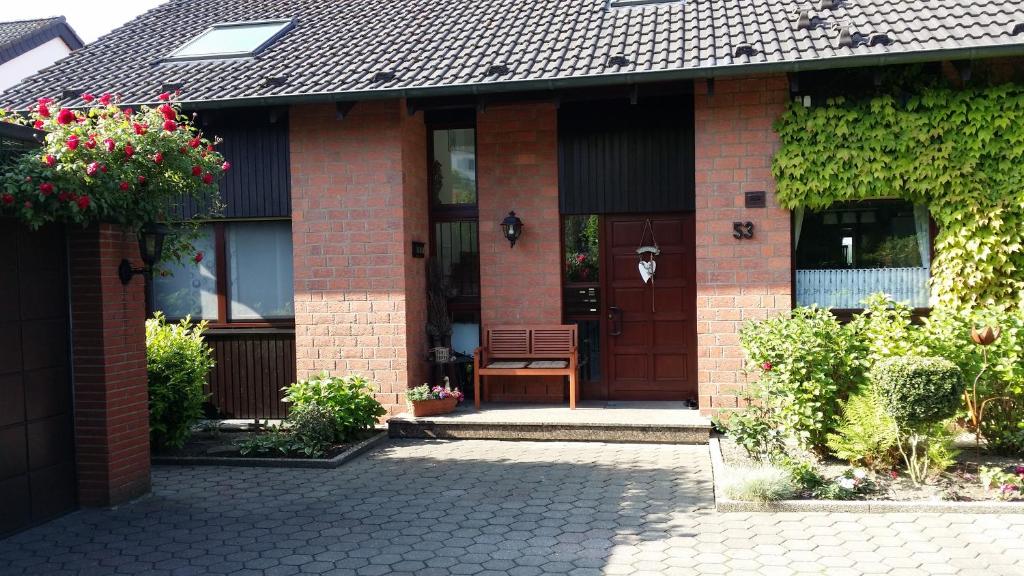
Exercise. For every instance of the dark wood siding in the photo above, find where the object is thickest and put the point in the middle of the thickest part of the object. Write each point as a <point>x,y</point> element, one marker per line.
<point>256,143</point>
<point>37,454</point>
<point>252,367</point>
<point>615,157</point>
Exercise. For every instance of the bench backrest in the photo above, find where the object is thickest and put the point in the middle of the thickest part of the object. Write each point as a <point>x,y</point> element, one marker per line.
<point>542,341</point>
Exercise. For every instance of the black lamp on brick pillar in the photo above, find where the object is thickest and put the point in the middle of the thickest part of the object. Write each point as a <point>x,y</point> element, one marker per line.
<point>151,248</point>
<point>512,228</point>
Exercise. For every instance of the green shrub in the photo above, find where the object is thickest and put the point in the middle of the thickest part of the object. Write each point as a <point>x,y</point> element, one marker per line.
<point>177,362</point>
<point>882,330</point>
<point>757,430</point>
<point>806,370</point>
<point>918,391</point>
<point>803,473</point>
<point>948,334</point>
<point>866,435</point>
<point>348,399</point>
<point>274,441</point>
<point>314,429</point>
<point>765,483</point>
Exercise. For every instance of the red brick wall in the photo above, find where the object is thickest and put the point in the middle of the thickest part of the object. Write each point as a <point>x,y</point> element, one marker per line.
<point>109,351</point>
<point>353,216</point>
<point>517,169</point>
<point>417,228</point>
<point>737,280</point>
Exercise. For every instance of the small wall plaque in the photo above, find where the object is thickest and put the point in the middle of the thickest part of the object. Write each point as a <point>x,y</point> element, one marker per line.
<point>754,199</point>
<point>419,250</point>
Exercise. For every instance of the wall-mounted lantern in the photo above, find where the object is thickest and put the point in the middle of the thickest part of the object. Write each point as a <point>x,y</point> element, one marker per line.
<point>419,249</point>
<point>151,248</point>
<point>512,228</point>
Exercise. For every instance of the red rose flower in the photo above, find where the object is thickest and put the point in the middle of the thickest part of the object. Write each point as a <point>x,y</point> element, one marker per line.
<point>158,157</point>
<point>44,110</point>
<point>207,178</point>
<point>63,196</point>
<point>83,202</point>
<point>766,366</point>
<point>8,199</point>
<point>197,170</point>
<point>129,150</point>
<point>140,129</point>
<point>46,188</point>
<point>49,160</point>
<point>38,124</point>
<point>65,116</point>
<point>209,147</point>
<point>88,97</point>
<point>91,142</point>
<point>198,257</point>
<point>183,150</point>
<point>27,205</point>
<point>225,166</point>
<point>72,142</point>
<point>110,144</point>
<point>103,168</point>
<point>92,168</point>
<point>105,99</point>
<point>194,142</point>
<point>168,111</point>
<point>141,179</point>
<point>124,186</point>
<point>164,97</point>
<point>170,125</point>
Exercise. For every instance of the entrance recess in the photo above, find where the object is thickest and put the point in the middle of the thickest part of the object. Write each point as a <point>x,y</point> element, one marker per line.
<point>649,331</point>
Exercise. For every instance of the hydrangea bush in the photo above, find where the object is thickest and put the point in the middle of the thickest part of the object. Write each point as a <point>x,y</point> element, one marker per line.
<point>111,163</point>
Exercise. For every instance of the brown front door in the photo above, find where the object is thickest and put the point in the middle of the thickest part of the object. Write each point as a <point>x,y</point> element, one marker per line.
<point>650,328</point>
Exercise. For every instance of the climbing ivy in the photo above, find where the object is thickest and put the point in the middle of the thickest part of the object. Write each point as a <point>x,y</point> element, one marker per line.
<point>958,151</point>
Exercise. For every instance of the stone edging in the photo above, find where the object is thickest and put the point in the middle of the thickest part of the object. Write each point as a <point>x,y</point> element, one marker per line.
<point>334,462</point>
<point>724,504</point>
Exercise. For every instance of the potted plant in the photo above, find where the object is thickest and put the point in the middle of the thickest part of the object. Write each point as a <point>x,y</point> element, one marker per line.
<point>427,401</point>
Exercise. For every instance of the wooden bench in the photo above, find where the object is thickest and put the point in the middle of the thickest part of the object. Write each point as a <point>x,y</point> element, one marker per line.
<point>527,351</point>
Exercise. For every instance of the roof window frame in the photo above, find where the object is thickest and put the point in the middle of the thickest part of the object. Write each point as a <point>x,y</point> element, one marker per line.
<point>287,25</point>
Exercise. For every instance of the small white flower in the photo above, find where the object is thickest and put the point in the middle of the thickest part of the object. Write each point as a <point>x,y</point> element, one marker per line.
<point>860,474</point>
<point>846,483</point>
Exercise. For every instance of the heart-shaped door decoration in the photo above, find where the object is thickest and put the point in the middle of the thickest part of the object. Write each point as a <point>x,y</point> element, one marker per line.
<point>647,268</point>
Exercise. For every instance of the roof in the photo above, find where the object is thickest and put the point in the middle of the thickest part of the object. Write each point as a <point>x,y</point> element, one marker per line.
<point>360,49</point>
<point>20,36</point>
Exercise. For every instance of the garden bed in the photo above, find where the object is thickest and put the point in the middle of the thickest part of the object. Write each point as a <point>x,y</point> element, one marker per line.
<point>957,489</point>
<point>220,448</point>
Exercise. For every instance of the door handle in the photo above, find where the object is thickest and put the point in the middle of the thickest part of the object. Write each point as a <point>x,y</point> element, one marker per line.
<point>615,320</point>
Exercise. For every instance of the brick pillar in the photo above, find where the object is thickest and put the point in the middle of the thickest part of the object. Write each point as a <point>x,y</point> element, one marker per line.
<point>359,199</point>
<point>109,355</point>
<point>737,280</point>
<point>517,169</point>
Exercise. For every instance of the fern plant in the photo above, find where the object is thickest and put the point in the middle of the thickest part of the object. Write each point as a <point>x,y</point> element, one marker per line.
<point>866,435</point>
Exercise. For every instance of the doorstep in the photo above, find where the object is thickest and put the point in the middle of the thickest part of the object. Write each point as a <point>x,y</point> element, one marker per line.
<point>635,422</point>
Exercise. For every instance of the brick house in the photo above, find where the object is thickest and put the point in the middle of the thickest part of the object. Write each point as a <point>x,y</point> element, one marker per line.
<point>367,134</point>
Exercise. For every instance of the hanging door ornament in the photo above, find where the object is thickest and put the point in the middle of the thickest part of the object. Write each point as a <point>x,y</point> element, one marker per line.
<point>647,253</point>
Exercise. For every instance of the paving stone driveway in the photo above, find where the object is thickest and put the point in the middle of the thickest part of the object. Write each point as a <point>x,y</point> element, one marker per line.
<point>488,508</point>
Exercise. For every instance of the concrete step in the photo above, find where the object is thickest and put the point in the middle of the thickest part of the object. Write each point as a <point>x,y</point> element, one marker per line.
<point>634,422</point>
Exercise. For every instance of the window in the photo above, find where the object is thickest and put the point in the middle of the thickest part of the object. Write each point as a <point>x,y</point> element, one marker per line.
<point>581,289</point>
<point>854,249</point>
<point>454,220</point>
<point>260,275</point>
<point>255,258</point>
<point>232,40</point>
<point>191,289</point>
<point>453,166</point>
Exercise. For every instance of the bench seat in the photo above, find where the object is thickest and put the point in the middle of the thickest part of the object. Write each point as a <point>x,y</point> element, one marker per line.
<point>547,350</point>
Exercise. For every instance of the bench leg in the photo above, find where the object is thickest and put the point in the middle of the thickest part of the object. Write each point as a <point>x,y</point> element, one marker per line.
<point>573,392</point>
<point>476,390</point>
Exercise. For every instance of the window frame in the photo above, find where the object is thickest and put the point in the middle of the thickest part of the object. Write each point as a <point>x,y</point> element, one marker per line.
<point>440,213</point>
<point>846,314</point>
<point>598,384</point>
<point>176,56</point>
<point>222,269</point>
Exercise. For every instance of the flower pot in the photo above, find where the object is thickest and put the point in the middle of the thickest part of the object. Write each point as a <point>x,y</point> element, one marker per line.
<point>422,408</point>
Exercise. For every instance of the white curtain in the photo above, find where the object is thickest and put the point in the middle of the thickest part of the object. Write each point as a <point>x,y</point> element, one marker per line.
<point>922,226</point>
<point>798,224</point>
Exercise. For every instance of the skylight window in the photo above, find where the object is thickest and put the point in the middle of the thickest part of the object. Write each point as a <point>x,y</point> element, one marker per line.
<point>232,40</point>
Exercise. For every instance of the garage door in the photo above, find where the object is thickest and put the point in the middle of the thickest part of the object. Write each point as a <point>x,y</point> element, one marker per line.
<point>37,473</point>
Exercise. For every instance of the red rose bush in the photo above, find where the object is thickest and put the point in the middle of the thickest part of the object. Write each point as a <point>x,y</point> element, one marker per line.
<point>110,164</point>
